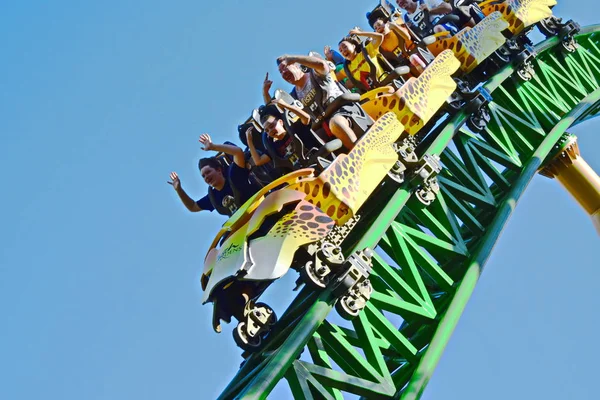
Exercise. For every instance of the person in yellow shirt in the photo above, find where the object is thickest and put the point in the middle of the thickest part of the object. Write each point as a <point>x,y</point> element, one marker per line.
<point>398,47</point>
<point>365,71</point>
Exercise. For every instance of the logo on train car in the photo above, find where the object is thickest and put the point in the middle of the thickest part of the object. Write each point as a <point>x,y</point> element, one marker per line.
<point>231,249</point>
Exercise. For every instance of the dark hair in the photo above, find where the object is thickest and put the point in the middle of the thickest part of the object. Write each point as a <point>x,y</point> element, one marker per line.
<point>210,162</point>
<point>377,13</point>
<point>242,132</point>
<point>269,110</point>
<point>354,40</point>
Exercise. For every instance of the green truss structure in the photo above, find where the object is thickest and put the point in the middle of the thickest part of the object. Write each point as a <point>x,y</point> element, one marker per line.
<point>429,258</point>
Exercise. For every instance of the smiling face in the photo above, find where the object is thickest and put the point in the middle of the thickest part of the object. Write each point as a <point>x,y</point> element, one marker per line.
<point>408,5</point>
<point>274,127</point>
<point>347,49</point>
<point>213,177</point>
<point>291,73</point>
<point>380,27</point>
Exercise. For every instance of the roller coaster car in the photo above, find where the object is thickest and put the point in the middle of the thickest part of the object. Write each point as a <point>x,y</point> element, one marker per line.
<point>419,99</point>
<point>298,226</point>
<point>472,46</point>
<point>520,14</point>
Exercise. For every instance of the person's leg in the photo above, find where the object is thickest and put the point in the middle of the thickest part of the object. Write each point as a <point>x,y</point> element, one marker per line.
<point>341,129</point>
<point>417,62</point>
<point>440,29</point>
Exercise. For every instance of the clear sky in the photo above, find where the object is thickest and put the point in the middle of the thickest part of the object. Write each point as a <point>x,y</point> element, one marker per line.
<point>99,262</point>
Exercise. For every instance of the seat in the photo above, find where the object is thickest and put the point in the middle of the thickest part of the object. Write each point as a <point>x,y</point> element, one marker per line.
<point>420,98</point>
<point>472,46</point>
<point>391,76</point>
<point>298,155</point>
<point>316,135</point>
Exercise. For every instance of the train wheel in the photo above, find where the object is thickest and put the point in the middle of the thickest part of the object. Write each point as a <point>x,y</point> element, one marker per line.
<point>313,276</point>
<point>243,339</point>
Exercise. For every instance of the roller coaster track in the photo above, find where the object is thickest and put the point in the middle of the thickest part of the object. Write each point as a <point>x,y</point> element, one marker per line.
<point>428,259</point>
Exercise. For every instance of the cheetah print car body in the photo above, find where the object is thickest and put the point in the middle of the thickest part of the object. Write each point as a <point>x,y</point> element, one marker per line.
<point>341,190</point>
<point>419,98</point>
<point>519,14</point>
<point>268,257</point>
<point>471,46</point>
<point>348,182</point>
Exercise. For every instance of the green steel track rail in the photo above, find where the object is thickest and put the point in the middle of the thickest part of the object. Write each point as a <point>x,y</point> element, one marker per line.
<point>428,259</point>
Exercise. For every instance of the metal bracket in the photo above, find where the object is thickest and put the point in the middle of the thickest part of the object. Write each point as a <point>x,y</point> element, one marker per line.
<point>358,268</point>
<point>523,63</point>
<point>353,288</point>
<point>567,34</point>
<point>424,179</point>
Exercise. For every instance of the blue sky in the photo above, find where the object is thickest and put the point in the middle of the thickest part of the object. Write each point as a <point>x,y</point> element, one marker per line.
<point>99,261</point>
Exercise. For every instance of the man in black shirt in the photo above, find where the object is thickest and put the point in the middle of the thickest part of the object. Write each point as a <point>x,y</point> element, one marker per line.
<point>230,186</point>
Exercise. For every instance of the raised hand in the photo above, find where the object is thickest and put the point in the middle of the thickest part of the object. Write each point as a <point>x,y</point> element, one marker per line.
<point>206,141</point>
<point>328,53</point>
<point>267,83</point>
<point>355,31</point>
<point>249,134</point>
<point>175,182</point>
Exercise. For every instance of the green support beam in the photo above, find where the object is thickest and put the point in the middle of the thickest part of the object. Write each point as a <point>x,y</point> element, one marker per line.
<point>428,259</point>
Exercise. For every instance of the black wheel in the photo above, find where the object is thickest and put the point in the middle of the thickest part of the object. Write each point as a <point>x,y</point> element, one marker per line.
<point>478,120</point>
<point>475,124</point>
<point>344,310</point>
<point>548,27</point>
<point>500,57</point>
<point>524,74</point>
<point>311,278</point>
<point>243,340</point>
<point>455,106</point>
<point>272,316</point>
<point>463,87</point>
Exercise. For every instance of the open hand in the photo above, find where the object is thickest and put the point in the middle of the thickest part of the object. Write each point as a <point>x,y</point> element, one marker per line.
<point>206,141</point>
<point>328,53</point>
<point>175,182</point>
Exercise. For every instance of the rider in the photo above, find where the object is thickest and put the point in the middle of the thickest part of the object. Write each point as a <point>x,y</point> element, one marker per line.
<point>416,13</point>
<point>360,68</point>
<point>397,45</point>
<point>229,186</point>
<point>257,161</point>
<point>316,89</point>
<point>272,121</point>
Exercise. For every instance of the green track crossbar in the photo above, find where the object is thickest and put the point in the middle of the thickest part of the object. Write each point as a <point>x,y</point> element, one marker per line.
<point>428,259</point>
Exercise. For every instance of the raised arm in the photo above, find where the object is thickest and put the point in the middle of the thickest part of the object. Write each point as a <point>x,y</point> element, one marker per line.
<point>304,117</point>
<point>187,201</point>
<point>400,30</point>
<point>317,64</point>
<point>236,152</point>
<point>376,36</point>
<point>266,87</point>
<point>256,158</point>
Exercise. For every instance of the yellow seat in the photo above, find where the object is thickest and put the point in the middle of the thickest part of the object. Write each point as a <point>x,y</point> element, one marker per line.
<point>419,98</point>
<point>471,46</point>
<point>346,184</point>
<point>519,14</point>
